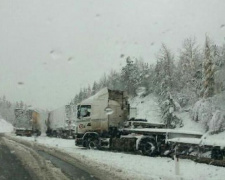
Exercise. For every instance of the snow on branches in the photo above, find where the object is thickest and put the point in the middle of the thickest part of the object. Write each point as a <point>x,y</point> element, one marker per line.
<point>168,107</point>
<point>208,112</point>
<point>208,72</point>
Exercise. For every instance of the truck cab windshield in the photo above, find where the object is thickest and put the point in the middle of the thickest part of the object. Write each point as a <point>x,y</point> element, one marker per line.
<point>83,111</point>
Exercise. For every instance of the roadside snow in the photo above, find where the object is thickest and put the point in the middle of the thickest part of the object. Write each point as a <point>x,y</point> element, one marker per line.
<point>135,166</point>
<point>5,126</point>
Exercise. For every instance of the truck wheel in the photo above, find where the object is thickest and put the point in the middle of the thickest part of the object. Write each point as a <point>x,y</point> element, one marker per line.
<point>148,147</point>
<point>93,144</point>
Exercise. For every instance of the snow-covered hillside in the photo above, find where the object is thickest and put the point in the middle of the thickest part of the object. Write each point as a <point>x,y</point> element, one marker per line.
<point>5,126</point>
<point>148,108</point>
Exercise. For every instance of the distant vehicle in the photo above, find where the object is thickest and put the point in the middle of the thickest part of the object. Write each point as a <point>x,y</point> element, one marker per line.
<point>61,122</point>
<point>28,122</point>
<point>104,121</point>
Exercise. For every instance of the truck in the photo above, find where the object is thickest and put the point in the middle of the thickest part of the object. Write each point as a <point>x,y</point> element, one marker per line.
<point>28,122</point>
<point>105,121</point>
<point>60,122</point>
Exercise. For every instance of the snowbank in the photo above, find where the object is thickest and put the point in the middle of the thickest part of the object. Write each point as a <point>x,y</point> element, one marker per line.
<point>5,126</point>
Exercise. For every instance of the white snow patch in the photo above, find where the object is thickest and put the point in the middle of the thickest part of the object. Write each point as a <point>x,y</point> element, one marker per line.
<point>188,123</point>
<point>5,126</point>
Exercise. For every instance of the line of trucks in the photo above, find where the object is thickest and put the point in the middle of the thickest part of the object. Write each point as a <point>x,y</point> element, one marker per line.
<point>106,121</point>
<point>57,123</point>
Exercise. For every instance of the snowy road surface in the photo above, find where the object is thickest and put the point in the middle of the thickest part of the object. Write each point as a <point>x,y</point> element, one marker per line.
<point>11,167</point>
<point>130,166</point>
<point>20,161</point>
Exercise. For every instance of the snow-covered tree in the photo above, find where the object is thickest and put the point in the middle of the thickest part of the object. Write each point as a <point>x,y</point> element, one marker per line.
<point>130,76</point>
<point>157,76</point>
<point>217,123</point>
<point>94,88</point>
<point>7,110</point>
<point>189,69</point>
<point>219,61</point>
<point>208,72</point>
<point>210,113</point>
<point>144,76</point>
<point>114,81</point>
<point>166,59</point>
<point>89,91</point>
<point>168,108</point>
<point>103,81</point>
<point>21,105</point>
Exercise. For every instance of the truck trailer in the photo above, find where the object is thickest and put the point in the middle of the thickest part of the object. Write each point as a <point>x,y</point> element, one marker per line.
<point>61,122</point>
<point>28,122</point>
<point>104,121</point>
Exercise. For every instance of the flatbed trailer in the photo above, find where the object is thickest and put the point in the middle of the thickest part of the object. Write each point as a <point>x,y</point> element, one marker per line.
<point>150,141</point>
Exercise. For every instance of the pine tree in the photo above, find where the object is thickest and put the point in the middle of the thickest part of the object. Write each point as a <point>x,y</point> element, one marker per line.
<point>89,91</point>
<point>144,76</point>
<point>17,105</point>
<point>169,118</point>
<point>130,76</point>
<point>76,99</point>
<point>94,88</point>
<point>103,82</point>
<point>188,74</point>
<point>219,61</point>
<point>21,104</point>
<point>208,71</point>
<point>166,70</point>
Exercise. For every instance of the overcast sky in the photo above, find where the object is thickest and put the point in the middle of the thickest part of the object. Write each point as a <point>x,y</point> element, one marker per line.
<point>49,49</point>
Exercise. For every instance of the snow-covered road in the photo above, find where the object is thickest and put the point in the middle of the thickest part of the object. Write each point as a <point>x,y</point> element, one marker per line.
<point>25,163</point>
<point>130,166</point>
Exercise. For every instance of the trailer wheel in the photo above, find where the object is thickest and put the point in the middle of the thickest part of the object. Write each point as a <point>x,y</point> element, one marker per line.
<point>148,147</point>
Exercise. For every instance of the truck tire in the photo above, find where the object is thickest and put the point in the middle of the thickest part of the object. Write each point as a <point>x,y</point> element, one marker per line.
<point>93,144</point>
<point>148,146</point>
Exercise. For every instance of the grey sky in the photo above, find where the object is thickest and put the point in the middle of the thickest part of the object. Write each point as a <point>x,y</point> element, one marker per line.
<point>55,47</point>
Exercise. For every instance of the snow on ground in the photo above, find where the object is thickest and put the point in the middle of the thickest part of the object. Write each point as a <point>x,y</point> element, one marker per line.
<point>147,108</point>
<point>136,166</point>
<point>188,123</point>
<point>5,126</point>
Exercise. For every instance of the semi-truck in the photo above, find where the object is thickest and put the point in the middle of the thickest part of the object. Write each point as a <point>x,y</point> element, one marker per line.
<point>28,122</point>
<point>61,122</point>
<point>104,121</point>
